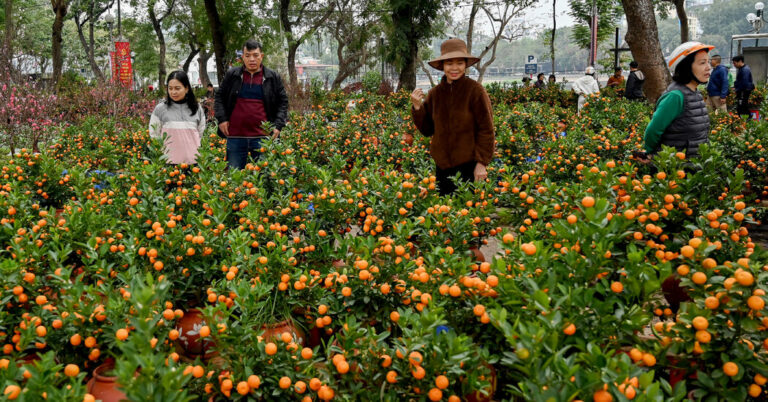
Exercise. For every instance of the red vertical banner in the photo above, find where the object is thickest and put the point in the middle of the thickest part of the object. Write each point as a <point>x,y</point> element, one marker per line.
<point>113,64</point>
<point>124,67</point>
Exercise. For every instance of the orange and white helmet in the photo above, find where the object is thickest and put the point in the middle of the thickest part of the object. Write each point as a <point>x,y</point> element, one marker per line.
<point>685,50</point>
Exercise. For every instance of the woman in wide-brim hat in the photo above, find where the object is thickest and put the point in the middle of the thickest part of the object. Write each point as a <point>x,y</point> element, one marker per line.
<point>457,115</point>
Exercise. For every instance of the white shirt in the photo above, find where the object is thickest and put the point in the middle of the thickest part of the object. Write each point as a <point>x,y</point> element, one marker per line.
<point>586,85</point>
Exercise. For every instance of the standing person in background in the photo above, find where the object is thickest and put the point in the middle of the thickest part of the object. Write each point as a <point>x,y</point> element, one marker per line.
<point>208,101</point>
<point>616,80</point>
<point>540,84</point>
<point>743,85</point>
<point>457,114</point>
<point>634,89</point>
<point>247,97</point>
<point>181,118</point>
<point>717,88</point>
<point>586,86</point>
<point>552,80</point>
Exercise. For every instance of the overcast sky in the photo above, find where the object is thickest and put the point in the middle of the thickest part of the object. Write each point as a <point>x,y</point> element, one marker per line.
<point>542,14</point>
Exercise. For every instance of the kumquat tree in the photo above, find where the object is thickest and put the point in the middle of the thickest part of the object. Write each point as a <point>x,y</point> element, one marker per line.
<point>331,268</point>
<point>287,235</point>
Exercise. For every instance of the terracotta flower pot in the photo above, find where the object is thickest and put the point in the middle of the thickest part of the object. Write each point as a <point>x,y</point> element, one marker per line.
<point>677,374</point>
<point>104,387</point>
<point>674,293</point>
<point>478,396</point>
<point>273,331</point>
<point>408,138</point>
<point>27,359</point>
<point>477,254</point>
<point>189,342</point>
<point>315,337</point>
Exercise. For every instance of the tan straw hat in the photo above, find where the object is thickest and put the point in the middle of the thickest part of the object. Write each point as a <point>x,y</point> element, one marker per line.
<point>453,49</point>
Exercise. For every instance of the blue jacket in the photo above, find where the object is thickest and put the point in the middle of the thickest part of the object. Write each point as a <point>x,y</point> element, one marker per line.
<point>718,82</point>
<point>744,80</point>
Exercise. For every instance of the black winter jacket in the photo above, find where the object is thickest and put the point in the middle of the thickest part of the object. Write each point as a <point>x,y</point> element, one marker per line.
<point>634,89</point>
<point>275,97</point>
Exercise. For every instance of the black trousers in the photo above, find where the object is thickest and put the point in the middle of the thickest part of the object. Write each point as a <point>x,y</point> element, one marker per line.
<point>742,102</point>
<point>445,185</point>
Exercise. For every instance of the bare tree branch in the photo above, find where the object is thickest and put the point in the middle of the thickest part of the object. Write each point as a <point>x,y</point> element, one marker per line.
<point>499,18</point>
<point>427,72</point>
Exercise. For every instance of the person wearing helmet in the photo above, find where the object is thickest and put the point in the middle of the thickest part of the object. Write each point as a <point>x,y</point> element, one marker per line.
<point>586,86</point>
<point>681,119</point>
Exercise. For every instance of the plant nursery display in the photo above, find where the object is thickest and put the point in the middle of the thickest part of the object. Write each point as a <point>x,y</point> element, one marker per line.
<point>332,269</point>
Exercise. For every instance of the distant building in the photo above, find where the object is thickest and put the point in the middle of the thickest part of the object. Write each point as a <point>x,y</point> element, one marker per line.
<point>694,28</point>
<point>30,67</point>
<point>194,72</point>
<point>698,3</point>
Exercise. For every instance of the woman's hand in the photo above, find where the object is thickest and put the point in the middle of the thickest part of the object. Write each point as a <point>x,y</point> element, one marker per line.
<point>417,98</point>
<point>641,157</point>
<point>480,173</point>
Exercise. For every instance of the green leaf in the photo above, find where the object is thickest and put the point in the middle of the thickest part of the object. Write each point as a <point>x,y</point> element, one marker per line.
<point>541,299</point>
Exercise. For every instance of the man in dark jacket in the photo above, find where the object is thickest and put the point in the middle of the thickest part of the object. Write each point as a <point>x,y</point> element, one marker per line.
<point>717,87</point>
<point>743,85</point>
<point>635,81</point>
<point>247,97</point>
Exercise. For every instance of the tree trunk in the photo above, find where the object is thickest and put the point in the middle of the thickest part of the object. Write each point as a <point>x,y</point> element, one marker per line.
<point>287,25</point>
<point>683,17</point>
<point>503,20</point>
<point>60,11</point>
<point>293,41</point>
<point>43,65</point>
<point>89,49</point>
<point>293,78</point>
<point>643,39</point>
<point>482,68</point>
<point>344,72</point>
<point>471,26</point>
<point>350,64</point>
<point>347,67</point>
<point>202,63</point>
<point>161,72</point>
<point>8,39</point>
<point>554,31</point>
<point>219,44</point>
<point>193,51</point>
<point>407,78</point>
<point>344,67</point>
